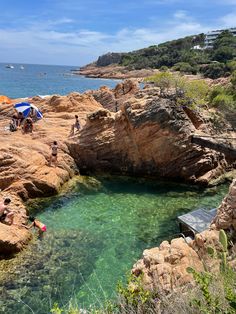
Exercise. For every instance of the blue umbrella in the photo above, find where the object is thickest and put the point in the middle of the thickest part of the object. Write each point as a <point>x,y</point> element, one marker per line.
<point>38,113</point>
<point>25,107</point>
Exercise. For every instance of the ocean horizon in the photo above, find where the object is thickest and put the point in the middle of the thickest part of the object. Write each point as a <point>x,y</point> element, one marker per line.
<point>28,80</point>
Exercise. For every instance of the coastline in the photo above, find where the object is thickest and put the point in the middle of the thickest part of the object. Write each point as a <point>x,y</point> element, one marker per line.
<point>125,141</point>
<point>114,72</point>
<point>97,149</point>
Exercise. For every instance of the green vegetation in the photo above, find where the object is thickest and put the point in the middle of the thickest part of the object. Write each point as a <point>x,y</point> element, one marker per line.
<point>218,289</point>
<point>186,55</point>
<point>196,93</point>
<point>224,98</point>
<point>187,93</point>
<point>167,54</point>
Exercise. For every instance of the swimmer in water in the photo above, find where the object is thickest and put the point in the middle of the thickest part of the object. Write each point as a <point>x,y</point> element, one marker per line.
<point>37,224</point>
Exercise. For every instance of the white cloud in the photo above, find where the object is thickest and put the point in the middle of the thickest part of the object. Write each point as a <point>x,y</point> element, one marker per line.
<point>181,14</point>
<point>228,20</point>
<point>47,43</point>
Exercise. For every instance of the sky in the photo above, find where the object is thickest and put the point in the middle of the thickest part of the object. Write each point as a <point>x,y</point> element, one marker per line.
<point>76,32</point>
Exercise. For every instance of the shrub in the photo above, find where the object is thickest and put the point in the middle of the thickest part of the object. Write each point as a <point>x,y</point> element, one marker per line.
<point>214,70</point>
<point>193,93</point>
<point>233,80</point>
<point>223,101</point>
<point>185,67</point>
<point>232,65</point>
<point>217,288</point>
<point>164,68</point>
<point>215,91</point>
<point>163,80</point>
<point>224,54</point>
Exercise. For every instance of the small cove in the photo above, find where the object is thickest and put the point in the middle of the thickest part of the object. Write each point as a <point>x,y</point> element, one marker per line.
<point>95,233</point>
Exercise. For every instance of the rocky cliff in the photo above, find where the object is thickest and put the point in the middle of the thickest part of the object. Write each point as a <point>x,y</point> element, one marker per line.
<point>24,168</point>
<point>149,136</point>
<point>226,213</point>
<point>109,58</point>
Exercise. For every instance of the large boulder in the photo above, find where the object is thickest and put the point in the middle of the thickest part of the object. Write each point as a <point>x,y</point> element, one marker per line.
<point>112,99</point>
<point>149,136</point>
<point>226,213</point>
<point>164,268</point>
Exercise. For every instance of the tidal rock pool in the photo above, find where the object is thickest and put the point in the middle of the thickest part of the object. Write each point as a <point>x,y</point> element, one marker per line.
<point>95,233</point>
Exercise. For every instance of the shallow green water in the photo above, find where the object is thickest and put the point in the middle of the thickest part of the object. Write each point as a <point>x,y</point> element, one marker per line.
<point>95,233</point>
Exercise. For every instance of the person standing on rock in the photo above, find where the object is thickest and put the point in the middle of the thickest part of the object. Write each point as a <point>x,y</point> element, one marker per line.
<point>53,157</point>
<point>6,215</point>
<point>75,126</point>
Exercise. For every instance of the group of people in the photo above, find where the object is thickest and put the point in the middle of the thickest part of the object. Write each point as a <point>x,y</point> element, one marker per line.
<point>18,120</point>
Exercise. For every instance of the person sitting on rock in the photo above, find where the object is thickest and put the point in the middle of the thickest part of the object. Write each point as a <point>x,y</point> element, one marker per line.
<point>75,126</point>
<point>53,156</point>
<point>33,114</point>
<point>20,118</point>
<point>13,123</point>
<point>37,224</point>
<point>27,126</point>
<point>6,215</point>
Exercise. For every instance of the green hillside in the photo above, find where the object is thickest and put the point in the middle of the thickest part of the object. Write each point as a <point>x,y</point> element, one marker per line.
<point>182,55</point>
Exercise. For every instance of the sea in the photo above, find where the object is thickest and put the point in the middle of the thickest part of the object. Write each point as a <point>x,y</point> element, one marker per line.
<point>27,80</point>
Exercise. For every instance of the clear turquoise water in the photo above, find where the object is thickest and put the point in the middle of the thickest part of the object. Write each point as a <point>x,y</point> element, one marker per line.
<point>45,80</point>
<point>95,234</point>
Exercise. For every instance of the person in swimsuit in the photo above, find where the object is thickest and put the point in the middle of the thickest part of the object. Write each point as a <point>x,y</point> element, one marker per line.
<point>20,118</point>
<point>37,224</point>
<point>33,114</point>
<point>13,123</point>
<point>75,126</point>
<point>27,126</point>
<point>6,215</point>
<point>53,157</point>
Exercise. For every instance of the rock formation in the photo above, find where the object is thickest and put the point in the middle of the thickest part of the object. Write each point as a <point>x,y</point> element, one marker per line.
<point>112,99</point>
<point>114,71</point>
<point>24,158</point>
<point>149,136</point>
<point>164,268</point>
<point>109,58</point>
<point>226,213</point>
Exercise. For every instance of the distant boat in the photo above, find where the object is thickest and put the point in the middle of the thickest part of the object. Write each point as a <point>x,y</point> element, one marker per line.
<point>9,66</point>
<point>22,67</point>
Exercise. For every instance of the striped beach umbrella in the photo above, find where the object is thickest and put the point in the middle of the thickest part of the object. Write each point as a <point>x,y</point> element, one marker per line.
<point>38,113</point>
<point>25,107</point>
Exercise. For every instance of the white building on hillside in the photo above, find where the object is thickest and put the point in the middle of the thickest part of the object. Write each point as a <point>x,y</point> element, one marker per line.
<point>210,37</point>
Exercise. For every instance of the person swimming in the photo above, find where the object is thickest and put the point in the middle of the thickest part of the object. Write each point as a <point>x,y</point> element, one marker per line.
<point>37,224</point>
